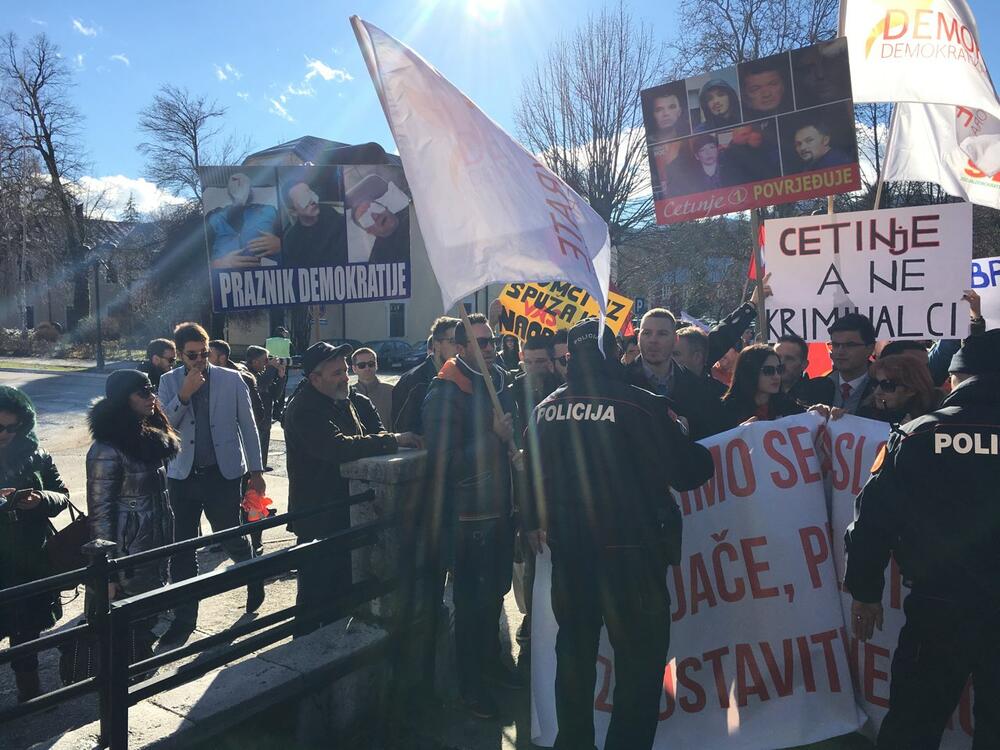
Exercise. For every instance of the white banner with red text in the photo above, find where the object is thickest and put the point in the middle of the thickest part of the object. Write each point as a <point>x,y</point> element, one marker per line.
<point>761,652</point>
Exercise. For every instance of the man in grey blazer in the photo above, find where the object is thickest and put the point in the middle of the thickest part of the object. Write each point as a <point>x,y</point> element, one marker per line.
<point>210,409</point>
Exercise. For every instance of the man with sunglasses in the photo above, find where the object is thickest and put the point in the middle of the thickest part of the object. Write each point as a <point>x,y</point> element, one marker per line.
<point>160,358</point>
<point>408,395</point>
<point>852,342</point>
<point>470,451</point>
<point>364,362</point>
<point>211,410</point>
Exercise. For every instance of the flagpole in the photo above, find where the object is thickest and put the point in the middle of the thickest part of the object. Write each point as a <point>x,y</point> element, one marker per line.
<point>885,161</point>
<point>480,362</point>
<point>840,33</point>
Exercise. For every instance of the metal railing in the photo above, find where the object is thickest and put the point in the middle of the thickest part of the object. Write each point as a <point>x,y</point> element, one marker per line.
<point>120,685</point>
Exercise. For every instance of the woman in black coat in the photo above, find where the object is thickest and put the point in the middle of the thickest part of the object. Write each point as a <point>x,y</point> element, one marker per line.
<point>755,393</point>
<point>31,492</point>
<point>127,499</point>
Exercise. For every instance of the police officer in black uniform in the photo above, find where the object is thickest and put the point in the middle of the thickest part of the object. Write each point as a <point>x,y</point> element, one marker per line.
<point>603,455</point>
<point>934,503</point>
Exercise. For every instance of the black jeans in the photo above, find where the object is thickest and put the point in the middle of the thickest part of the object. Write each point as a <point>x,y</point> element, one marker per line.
<point>323,575</point>
<point>484,560</point>
<point>625,589</point>
<point>940,646</point>
<point>219,498</point>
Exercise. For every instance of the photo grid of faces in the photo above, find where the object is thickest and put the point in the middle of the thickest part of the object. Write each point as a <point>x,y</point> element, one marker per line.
<point>781,115</point>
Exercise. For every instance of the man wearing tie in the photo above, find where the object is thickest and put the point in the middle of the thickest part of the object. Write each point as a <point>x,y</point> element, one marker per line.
<point>852,342</point>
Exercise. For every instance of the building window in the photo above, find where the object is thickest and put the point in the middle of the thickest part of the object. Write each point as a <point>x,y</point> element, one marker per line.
<point>397,320</point>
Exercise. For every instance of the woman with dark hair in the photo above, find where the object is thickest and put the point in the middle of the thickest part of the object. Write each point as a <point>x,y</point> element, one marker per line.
<point>127,499</point>
<point>720,106</point>
<point>903,390</point>
<point>755,393</point>
<point>31,492</point>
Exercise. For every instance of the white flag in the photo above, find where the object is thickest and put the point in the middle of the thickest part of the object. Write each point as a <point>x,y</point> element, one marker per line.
<point>924,148</point>
<point>489,211</point>
<point>923,51</point>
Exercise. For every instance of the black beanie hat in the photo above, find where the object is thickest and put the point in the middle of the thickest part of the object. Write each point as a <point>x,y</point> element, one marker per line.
<point>979,355</point>
<point>123,383</point>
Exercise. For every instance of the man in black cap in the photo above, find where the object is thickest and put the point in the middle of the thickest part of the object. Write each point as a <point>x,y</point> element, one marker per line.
<point>603,456</point>
<point>932,503</point>
<point>327,425</point>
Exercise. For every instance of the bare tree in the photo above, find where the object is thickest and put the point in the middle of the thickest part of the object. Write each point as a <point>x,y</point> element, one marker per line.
<point>580,112</point>
<point>720,33</point>
<point>184,132</point>
<point>36,84</point>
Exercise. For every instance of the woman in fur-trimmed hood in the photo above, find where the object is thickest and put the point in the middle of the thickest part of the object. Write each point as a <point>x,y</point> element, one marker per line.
<point>127,500</point>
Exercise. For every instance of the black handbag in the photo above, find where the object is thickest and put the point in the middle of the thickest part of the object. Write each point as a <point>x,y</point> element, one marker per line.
<point>64,546</point>
<point>81,657</point>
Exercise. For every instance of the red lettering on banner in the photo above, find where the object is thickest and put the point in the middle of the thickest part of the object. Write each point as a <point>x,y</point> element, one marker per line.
<point>808,679</point>
<point>814,555</point>
<point>825,639</point>
<point>669,695</point>
<point>782,679</point>
<point>739,446</point>
<point>700,699</point>
<point>873,674</point>
<point>739,588</point>
<point>701,588</point>
<point>746,666</point>
<point>715,658</point>
<point>754,568</point>
<point>895,584</point>
<point>803,454</point>
<point>781,482</point>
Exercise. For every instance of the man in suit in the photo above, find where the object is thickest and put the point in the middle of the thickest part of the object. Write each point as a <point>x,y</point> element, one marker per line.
<point>656,371</point>
<point>210,409</point>
<point>793,352</point>
<point>852,342</point>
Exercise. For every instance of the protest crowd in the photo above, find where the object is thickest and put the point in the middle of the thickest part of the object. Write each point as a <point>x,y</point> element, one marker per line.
<point>576,430</point>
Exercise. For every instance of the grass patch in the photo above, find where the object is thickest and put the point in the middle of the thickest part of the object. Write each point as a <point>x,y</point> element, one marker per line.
<point>9,364</point>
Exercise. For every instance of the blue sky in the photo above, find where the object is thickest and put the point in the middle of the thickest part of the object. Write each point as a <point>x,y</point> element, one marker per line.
<point>286,69</point>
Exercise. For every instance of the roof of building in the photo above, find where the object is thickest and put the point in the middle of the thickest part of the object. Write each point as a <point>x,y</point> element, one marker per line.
<point>319,151</point>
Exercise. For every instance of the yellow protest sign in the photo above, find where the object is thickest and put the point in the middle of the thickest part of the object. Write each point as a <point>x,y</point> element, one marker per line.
<point>541,309</point>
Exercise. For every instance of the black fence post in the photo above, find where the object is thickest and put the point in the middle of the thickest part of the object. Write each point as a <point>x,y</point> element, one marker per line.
<point>98,616</point>
<point>116,675</point>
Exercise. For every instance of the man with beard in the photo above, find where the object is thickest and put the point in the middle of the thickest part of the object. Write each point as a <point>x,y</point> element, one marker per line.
<point>324,428</point>
<point>812,146</point>
<point>408,395</point>
<point>319,235</point>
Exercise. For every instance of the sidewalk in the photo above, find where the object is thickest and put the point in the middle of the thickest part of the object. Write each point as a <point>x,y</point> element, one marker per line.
<point>64,364</point>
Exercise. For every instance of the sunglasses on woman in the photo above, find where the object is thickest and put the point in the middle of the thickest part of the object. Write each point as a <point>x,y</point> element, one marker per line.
<point>888,386</point>
<point>770,370</point>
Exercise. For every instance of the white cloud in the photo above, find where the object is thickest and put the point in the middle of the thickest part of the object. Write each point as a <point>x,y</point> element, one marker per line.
<point>38,22</point>
<point>117,188</point>
<point>121,58</point>
<point>81,28</point>
<point>243,95</point>
<point>277,109</point>
<point>79,60</point>
<point>231,69</point>
<point>220,74</point>
<point>324,71</point>
<point>304,89</point>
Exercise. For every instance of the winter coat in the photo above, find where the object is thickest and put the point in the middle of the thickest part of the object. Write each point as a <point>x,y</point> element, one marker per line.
<point>321,434</point>
<point>471,461</point>
<point>127,500</point>
<point>24,533</point>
